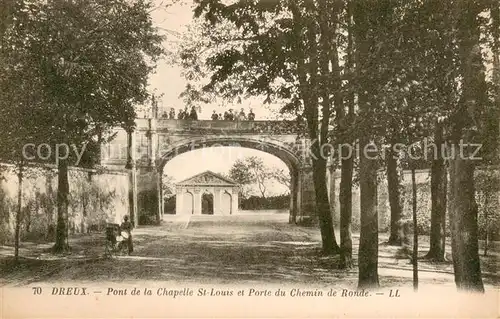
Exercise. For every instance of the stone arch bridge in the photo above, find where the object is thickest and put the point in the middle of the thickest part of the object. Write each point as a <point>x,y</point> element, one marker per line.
<point>145,151</point>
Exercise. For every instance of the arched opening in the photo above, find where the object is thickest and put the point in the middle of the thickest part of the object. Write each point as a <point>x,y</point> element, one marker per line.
<point>223,201</point>
<point>207,204</point>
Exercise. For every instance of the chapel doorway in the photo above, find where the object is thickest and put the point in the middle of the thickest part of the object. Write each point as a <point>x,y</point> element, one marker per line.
<point>207,204</point>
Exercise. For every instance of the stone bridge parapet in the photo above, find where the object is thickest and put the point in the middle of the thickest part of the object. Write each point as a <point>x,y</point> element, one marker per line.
<point>221,126</point>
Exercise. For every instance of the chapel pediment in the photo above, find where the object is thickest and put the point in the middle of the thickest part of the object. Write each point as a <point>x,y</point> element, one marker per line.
<point>207,178</point>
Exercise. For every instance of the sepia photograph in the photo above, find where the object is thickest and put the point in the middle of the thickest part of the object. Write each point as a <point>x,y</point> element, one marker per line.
<point>249,158</point>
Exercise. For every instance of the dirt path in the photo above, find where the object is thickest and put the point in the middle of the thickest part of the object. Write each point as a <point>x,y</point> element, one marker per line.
<point>237,250</point>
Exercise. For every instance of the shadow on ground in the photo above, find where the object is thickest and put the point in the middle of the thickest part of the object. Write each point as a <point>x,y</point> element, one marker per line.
<point>245,250</point>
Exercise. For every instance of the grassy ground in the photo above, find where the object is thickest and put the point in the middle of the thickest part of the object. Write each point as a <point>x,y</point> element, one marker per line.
<point>244,249</point>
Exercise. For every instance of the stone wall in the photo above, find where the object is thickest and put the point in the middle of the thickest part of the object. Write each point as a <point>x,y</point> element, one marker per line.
<point>423,204</point>
<point>96,197</point>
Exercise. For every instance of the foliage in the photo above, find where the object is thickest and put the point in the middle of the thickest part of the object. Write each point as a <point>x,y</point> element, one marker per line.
<point>270,202</point>
<point>148,199</point>
<point>281,177</point>
<point>423,207</point>
<point>168,186</point>
<point>69,50</point>
<point>169,205</point>
<point>6,206</point>
<point>90,204</point>
<point>87,61</point>
<point>252,171</point>
<point>487,192</point>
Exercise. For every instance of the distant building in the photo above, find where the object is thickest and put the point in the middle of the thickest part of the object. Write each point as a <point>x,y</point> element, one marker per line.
<point>207,193</point>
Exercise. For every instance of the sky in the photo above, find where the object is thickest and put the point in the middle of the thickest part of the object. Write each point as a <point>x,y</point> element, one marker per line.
<point>168,80</point>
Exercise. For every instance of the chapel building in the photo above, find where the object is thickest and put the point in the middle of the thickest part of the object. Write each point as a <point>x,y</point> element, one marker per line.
<point>207,193</point>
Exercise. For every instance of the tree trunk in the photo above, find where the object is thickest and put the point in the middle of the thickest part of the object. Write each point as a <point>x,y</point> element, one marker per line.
<point>486,226</point>
<point>347,164</point>
<point>19,211</point>
<point>463,222</point>
<point>368,242</point>
<point>394,198</point>
<point>464,210</point>
<point>495,15</point>
<point>294,189</point>
<point>439,183</point>
<point>61,244</point>
<point>362,13</point>
<point>324,214</point>
<point>345,201</point>
<point>262,192</point>
<point>415,230</point>
<point>307,70</point>
<point>27,218</point>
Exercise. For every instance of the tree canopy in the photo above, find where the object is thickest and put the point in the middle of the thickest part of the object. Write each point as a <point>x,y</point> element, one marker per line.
<point>70,72</point>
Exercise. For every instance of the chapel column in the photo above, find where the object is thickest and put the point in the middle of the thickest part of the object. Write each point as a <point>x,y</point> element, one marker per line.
<point>217,201</point>
<point>197,201</point>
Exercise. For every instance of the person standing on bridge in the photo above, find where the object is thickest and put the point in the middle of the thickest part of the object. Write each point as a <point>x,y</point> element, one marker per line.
<point>215,117</point>
<point>242,116</point>
<point>251,115</point>
<point>230,115</point>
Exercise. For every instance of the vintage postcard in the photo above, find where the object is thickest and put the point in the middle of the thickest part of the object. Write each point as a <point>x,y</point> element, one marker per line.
<point>249,159</point>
